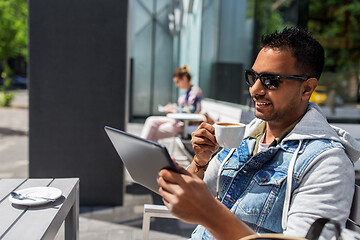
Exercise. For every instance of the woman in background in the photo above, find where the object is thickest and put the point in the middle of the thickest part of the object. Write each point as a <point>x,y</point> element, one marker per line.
<point>158,127</point>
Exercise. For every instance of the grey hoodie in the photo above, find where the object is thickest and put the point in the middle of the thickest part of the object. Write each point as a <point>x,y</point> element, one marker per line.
<point>315,126</point>
<point>327,188</point>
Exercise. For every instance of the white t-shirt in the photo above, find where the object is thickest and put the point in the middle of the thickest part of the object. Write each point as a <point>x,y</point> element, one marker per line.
<point>263,146</point>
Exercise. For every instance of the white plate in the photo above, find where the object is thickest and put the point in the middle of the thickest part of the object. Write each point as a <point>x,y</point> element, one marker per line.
<point>36,193</point>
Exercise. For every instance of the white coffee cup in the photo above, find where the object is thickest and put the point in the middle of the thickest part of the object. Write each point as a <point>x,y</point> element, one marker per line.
<point>229,135</point>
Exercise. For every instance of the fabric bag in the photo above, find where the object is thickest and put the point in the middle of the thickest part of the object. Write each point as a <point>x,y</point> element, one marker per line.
<point>313,233</point>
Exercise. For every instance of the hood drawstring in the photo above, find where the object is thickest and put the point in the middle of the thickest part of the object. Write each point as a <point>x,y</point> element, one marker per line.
<point>288,187</point>
<point>221,168</point>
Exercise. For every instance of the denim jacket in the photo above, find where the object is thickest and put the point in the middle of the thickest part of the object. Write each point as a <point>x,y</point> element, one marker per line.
<point>254,187</point>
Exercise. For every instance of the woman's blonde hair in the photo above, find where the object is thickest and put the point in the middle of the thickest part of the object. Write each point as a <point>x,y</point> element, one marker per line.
<point>183,71</point>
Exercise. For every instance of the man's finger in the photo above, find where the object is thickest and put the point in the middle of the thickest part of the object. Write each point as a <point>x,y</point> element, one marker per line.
<point>204,133</point>
<point>210,130</point>
<point>173,177</point>
<point>207,126</point>
<point>204,128</point>
<point>203,140</point>
<point>166,203</point>
<point>167,186</point>
<point>169,176</point>
<point>198,148</point>
<point>167,197</point>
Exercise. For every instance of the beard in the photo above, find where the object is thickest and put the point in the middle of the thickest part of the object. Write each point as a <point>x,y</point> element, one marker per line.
<point>267,111</point>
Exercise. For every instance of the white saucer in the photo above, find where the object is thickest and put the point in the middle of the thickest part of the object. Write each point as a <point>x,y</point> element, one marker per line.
<point>35,193</point>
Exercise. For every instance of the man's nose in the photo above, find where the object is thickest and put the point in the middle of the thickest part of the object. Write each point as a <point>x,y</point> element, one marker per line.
<point>257,88</point>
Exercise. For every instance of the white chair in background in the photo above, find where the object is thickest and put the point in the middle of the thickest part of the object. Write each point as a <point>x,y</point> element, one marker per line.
<point>151,210</point>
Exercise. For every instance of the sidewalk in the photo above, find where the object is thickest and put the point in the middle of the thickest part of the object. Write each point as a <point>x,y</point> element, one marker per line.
<point>98,223</point>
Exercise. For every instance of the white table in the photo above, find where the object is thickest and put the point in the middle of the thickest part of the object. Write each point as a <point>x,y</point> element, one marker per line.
<point>186,118</point>
<point>43,221</point>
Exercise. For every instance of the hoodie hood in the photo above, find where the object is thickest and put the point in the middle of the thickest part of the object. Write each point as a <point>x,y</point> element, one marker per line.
<point>314,125</point>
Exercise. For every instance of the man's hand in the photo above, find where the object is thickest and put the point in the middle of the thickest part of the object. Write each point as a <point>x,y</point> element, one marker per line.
<point>188,198</point>
<point>186,195</point>
<point>204,143</point>
<point>208,119</point>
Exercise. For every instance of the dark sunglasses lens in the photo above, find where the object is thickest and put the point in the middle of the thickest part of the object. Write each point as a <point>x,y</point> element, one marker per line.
<point>270,81</point>
<point>250,77</point>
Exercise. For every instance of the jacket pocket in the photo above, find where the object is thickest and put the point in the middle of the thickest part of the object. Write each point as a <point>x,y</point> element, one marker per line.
<point>262,192</point>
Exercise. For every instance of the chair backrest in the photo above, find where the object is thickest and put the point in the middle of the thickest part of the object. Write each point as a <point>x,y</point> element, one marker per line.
<point>353,222</point>
<point>221,111</point>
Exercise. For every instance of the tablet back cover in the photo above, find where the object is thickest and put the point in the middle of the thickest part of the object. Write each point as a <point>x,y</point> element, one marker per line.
<point>142,158</point>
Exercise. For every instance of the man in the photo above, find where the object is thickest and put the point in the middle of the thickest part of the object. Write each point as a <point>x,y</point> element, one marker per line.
<point>292,166</point>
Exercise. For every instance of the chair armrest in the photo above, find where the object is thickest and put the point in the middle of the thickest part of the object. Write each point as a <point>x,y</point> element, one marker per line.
<point>151,210</point>
<point>157,211</point>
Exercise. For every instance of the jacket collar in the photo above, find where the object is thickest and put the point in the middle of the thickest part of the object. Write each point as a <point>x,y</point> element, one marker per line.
<point>260,129</point>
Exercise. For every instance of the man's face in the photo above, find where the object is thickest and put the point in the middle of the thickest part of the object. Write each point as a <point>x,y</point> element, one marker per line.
<point>283,105</point>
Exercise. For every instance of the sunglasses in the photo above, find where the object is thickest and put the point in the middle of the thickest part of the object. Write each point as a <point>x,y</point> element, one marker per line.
<point>270,81</point>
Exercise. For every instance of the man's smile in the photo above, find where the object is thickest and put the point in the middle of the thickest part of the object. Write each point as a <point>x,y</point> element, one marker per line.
<point>262,103</point>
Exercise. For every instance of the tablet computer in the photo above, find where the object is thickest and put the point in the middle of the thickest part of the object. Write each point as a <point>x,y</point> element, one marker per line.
<point>142,158</point>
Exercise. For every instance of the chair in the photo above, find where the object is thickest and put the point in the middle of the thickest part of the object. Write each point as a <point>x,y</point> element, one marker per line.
<point>353,221</point>
<point>153,211</point>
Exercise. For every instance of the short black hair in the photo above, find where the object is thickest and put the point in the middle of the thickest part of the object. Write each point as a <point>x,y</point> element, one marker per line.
<point>308,52</point>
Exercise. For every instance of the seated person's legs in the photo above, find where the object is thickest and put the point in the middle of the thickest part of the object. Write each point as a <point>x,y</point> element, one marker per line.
<point>158,127</point>
<point>170,129</point>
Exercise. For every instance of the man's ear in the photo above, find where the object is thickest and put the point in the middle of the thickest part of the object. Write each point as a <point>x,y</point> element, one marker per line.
<point>308,88</point>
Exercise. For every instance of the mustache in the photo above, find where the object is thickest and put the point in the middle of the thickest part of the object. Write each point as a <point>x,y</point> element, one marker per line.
<point>257,98</point>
